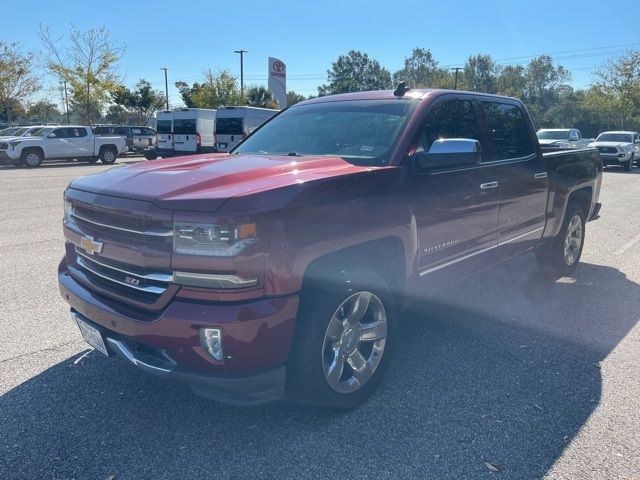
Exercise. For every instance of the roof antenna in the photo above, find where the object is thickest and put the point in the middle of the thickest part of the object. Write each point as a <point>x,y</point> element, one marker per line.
<point>401,89</point>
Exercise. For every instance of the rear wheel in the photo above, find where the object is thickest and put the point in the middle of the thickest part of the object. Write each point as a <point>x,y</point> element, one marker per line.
<point>150,155</point>
<point>344,335</point>
<point>563,256</point>
<point>31,158</point>
<point>108,155</point>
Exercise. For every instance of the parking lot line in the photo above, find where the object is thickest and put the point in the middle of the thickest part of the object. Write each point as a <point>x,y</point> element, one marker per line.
<point>628,245</point>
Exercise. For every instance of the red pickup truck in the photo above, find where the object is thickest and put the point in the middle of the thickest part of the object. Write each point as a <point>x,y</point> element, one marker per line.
<point>278,270</point>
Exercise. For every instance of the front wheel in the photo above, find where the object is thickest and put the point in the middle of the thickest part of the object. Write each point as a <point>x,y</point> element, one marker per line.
<point>561,258</point>
<point>108,156</point>
<point>31,158</point>
<point>628,165</point>
<point>343,341</point>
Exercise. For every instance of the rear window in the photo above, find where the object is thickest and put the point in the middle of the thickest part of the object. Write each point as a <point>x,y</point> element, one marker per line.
<point>164,126</point>
<point>122,131</point>
<point>184,126</point>
<point>508,130</point>
<point>229,126</point>
<point>614,137</point>
<point>102,130</point>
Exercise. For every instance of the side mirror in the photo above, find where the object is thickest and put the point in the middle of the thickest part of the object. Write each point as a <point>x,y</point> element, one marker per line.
<point>51,135</point>
<point>448,153</point>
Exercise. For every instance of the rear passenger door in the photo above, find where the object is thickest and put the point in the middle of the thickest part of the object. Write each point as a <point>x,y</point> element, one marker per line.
<point>511,145</point>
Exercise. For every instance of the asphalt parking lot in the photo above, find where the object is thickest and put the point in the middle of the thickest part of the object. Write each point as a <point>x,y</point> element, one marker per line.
<point>539,379</point>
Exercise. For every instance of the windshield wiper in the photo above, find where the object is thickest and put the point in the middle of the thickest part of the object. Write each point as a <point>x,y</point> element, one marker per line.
<point>293,154</point>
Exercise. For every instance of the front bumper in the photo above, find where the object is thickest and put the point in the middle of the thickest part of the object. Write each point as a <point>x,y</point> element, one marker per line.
<point>6,158</point>
<point>246,390</point>
<point>614,158</point>
<point>256,339</point>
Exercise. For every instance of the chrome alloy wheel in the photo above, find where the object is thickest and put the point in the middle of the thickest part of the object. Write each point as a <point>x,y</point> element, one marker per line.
<point>573,240</point>
<point>108,156</point>
<point>354,342</point>
<point>32,159</point>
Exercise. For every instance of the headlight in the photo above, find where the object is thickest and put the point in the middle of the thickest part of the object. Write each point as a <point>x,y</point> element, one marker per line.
<point>212,240</point>
<point>15,143</point>
<point>68,210</point>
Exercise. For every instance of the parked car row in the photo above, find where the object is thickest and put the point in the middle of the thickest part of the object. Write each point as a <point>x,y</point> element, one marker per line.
<point>188,131</point>
<point>621,148</point>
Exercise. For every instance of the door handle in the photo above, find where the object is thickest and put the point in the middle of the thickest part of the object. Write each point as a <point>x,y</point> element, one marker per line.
<point>540,175</point>
<point>488,185</point>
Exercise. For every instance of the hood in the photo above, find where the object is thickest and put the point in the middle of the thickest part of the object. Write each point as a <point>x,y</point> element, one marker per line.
<point>205,182</point>
<point>11,138</point>
<point>552,141</point>
<point>611,144</point>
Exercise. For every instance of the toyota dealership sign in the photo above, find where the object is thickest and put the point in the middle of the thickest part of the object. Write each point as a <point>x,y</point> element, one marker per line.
<point>278,81</point>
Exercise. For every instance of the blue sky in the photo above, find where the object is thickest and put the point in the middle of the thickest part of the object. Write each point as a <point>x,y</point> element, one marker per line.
<point>188,37</point>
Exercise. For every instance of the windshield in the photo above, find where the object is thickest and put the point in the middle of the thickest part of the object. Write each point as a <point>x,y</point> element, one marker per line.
<point>553,134</point>
<point>9,131</point>
<point>32,132</point>
<point>21,131</point>
<point>614,137</point>
<point>43,132</point>
<point>362,132</point>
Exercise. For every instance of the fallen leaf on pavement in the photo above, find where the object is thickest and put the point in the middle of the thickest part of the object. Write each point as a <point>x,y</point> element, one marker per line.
<point>493,467</point>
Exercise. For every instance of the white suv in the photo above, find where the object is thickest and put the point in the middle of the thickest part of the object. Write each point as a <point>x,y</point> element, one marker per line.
<point>619,148</point>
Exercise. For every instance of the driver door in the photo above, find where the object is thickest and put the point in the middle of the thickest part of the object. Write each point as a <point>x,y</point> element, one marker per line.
<point>456,209</point>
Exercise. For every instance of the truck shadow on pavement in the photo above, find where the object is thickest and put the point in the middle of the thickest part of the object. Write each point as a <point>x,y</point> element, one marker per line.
<point>501,368</point>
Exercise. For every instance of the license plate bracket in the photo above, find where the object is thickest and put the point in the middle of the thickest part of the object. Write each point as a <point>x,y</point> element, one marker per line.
<point>92,336</point>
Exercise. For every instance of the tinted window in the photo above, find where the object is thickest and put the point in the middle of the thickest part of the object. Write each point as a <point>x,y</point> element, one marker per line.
<point>59,133</point>
<point>184,126</point>
<point>148,131</point>
<point>508,131</point>
<point>553,134</point>
<point>229,126</point>
<point>75,132</point>
<point>451,119</point>
<point>103,130</point>
<point>122,131</point>
<point>164,126</point>
<point>136,131</point>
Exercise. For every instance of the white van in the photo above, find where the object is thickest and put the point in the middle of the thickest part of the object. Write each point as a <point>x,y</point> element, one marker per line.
<point>194,130</point>
<point>235,123</point>
<point>164,131</point>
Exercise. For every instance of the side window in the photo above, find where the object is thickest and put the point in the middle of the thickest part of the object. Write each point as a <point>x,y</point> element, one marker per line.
<point>450,119</point>
<point>79,132</point>
<point>59,133</point>
<point>508,131</point>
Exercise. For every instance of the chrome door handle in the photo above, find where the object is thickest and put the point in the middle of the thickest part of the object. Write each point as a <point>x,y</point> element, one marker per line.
<point>488,185</point>
<point>540,175</point>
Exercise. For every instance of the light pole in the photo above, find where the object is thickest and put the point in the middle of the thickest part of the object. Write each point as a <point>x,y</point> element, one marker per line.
<point>166,87</point>
<point>455,87</point>
<point>241,52</point>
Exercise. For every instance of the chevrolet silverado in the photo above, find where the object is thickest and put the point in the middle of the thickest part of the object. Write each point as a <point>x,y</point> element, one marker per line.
<point>278,270</point>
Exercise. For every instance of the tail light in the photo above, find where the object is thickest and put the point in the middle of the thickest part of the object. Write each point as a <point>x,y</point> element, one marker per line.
<point>198,139</point>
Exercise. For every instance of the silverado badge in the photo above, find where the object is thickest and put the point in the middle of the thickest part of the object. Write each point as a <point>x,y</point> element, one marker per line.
<point>90,245</point>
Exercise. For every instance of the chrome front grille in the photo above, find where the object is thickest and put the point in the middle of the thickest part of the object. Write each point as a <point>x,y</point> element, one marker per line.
<point>123,225</point>
<point>147,285</point>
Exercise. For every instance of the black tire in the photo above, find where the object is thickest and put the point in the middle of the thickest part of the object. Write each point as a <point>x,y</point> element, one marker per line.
<point>31,157</point>
<point>628,165</point>
<point>320,299</point>
<point>552,259</point>
<point>108,155</point>
<point>150,155</point>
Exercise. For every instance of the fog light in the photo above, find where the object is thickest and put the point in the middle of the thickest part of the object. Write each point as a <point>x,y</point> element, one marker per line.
<point>211,341</point>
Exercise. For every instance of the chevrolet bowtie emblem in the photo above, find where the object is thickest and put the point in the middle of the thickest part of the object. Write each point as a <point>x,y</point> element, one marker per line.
<point>90,245</point>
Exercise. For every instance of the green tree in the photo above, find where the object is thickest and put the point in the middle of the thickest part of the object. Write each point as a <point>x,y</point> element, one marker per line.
<point>43,111</point>
<point>18,81</point>
<point>87,62</point>
<point>421,70</point>
<point>481,74</point>
<point>259,96</point>
<point>137,104</point>
<point>355,72</point>
<point>512,81</point>
<point>544,83</point>
<point>293,98</point>
<point>619,82</point>
<point>217,90</point>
